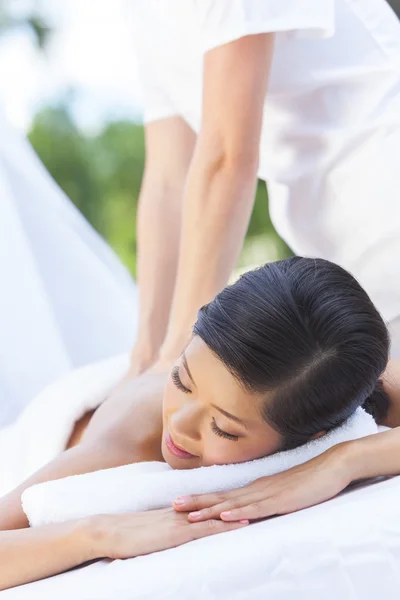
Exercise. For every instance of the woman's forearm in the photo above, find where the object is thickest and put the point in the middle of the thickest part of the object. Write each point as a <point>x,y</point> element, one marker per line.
<point>27,555</point>
<point>391,384</point>
<point>374,456</point>
<point>379,455</point>
<point>218,204</point>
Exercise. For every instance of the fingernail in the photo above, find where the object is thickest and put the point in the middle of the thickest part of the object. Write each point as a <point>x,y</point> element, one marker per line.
<point>195,515</point>
<point>226,514</point>
<point>244,521</point>
<point>181,500</point>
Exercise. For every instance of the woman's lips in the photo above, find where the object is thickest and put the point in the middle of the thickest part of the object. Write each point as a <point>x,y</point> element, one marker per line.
<point>175,450</point>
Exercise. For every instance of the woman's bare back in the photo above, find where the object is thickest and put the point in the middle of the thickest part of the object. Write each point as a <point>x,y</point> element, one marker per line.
<point>79,429</point>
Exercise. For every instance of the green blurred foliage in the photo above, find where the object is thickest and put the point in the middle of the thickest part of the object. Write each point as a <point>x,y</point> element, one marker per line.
<point>102,175</point>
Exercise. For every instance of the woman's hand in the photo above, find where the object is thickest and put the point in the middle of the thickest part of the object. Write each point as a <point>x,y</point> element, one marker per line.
<point>300,487</point>
<point>130,535</point>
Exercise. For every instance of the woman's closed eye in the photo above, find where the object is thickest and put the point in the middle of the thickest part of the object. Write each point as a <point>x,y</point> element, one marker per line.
<point>221,433</point>
<point>177,381</point>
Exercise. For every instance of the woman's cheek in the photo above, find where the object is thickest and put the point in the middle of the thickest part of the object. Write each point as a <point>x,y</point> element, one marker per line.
<point>223,452</point>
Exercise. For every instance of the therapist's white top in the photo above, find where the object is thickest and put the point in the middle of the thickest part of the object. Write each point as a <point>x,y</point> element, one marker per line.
<point>330,145</point>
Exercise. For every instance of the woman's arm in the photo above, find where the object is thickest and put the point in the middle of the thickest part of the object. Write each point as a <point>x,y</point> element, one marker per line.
<point>379,455</point>
<point>220,188</point>
<point>374,456</point>
<point>391,385</point>
<point>169,148</point>
<point>31,554</point>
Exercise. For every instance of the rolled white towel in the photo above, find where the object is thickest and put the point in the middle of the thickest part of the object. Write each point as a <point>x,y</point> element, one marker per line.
<point>146,486</point>
<point>43,429</point>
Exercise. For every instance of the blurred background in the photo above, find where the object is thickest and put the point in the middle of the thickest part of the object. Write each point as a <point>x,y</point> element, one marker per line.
<point>68,79</point>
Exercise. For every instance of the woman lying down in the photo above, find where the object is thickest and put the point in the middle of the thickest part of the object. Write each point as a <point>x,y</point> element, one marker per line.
<point>283,356</point>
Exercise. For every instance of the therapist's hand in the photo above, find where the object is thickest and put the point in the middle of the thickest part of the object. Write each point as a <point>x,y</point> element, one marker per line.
<point>300,487</point>
<point>143,357</point>
<point>130,535</point>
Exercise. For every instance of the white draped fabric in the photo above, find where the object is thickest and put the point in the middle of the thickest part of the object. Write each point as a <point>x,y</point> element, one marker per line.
<point>65,299</point>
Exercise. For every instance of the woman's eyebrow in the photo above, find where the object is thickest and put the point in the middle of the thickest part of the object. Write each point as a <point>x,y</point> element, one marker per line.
<point>185,364</point>
<point>229,416</point>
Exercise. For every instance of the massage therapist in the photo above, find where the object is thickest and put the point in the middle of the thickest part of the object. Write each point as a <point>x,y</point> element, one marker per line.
<point>304,94</point>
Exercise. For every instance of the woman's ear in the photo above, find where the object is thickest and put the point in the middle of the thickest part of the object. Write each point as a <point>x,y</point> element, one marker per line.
<point>318,435</point>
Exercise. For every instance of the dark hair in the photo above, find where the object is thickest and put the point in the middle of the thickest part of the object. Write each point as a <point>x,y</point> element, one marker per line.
<point>306,332</point>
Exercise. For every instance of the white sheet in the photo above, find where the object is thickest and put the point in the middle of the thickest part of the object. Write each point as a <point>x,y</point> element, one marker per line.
<point>66,300</point>
<point>345,549</point>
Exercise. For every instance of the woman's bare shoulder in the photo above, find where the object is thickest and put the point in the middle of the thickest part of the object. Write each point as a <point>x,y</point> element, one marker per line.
<point>132,415</point>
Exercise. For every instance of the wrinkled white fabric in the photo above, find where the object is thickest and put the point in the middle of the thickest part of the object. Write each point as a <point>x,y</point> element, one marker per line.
<point>65,300</point>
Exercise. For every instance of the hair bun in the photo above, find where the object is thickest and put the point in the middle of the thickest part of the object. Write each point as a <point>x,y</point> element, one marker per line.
<point>377,404</point>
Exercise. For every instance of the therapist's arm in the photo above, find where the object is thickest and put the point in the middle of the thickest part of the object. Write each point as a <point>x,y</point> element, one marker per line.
<point>220,187</point>
<point>169,149</point>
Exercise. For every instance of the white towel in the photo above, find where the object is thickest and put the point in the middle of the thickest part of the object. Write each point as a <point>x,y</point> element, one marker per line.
<point>43,429</point>
<point>147,486</point>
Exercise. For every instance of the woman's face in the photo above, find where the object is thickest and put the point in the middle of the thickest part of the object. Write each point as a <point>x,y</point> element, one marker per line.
<point>208,418</point>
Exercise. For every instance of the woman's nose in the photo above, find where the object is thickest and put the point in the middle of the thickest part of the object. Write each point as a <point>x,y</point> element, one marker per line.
<point>185,420</point>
